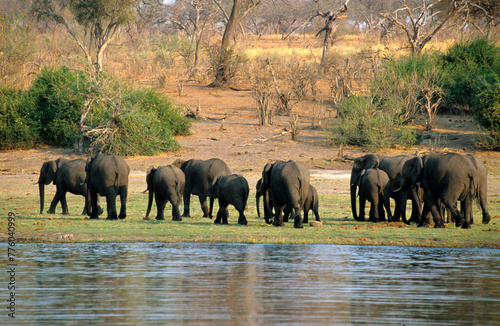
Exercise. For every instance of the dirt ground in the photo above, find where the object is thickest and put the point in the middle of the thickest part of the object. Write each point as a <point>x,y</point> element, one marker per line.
<point>228,128</point>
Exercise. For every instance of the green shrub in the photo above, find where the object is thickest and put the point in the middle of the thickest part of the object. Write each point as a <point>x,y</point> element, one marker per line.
<point>58,96</point>
<point>467,65</point>
<point>16,128</point>
<point>362,123</point>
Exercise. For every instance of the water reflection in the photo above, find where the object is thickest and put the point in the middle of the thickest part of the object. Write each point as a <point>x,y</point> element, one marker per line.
<point>239,284</point>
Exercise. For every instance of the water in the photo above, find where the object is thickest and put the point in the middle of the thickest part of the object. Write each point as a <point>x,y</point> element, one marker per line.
<point>240,284</point>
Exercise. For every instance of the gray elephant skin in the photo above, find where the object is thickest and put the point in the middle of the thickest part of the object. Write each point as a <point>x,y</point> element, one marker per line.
<point>311,203</point>
<point>199,176</point>
<point>231,190</point>
<point>445,180</point>
<point>374,187</point>
<point>67,176</point>
<point>467,203</point>
<point>107,175</point>
<point>165,184</point>
<point>392,165</point>
<point>285,183</point>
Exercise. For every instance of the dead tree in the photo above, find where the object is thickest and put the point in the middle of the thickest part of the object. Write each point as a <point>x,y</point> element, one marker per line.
<point>330,18</point>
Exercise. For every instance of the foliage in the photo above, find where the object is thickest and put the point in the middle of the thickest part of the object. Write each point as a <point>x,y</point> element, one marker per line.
<point>410,87</point>
<point>58,96</point>
<point>470,66</point>
<point>363,123</point>
<point>16,126</point>
<point>64,108</point>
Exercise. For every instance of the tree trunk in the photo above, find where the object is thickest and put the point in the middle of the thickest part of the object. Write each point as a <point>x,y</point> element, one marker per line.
<point>227,40</point>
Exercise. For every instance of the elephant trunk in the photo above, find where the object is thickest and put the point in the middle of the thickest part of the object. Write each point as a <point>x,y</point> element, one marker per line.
<point>41,188</point>
<point>267,207</point>
<point>150,201</point>
<point>353,201</point>
<point>257,200</point>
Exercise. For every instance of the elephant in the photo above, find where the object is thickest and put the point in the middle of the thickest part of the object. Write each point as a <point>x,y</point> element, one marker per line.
<point>374,187</point>
<point>310,204</point>
<point>230,190</point>
<point>68,176</point>
<point>466,205</point>
<point>261,193</point>
<point>199,177</point>
<point>285,183</point>
<point>107,175</point>
<point>391,165</point>
<point>445,180</point>
<point>166,184</point>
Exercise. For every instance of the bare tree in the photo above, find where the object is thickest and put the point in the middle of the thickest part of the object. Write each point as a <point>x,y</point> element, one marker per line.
<point>330,18</point>
<point>101,20</point>
<point>193,17</point>
<point>484,15</point>
<point>240,9</point>
<point>422,20</point>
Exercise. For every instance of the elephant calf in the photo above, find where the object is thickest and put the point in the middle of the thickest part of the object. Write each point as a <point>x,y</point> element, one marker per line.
<point>166,184</point>
<point>374,187</point>
<point>231,189</point>
<point>311,203</point>
<point>68,176</point>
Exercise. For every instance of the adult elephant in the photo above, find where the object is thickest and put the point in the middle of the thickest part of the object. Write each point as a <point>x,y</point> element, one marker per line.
<point>107,175</point>
<point>445,180</point>
<point>287,183</point>
<point>67,176</point>
<point>165,184</point>
<point>199,177</point>
<point>392,165</point>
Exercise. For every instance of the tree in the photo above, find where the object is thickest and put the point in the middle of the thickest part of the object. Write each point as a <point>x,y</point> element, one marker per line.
<point>239,10</point>
<point>101,20</point>
<point>193,17</point>
<point>482,14</point>
<point>330,18</point>
<point>421,22</point>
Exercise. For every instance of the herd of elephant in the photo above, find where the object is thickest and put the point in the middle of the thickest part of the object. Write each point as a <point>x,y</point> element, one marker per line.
<point>434,183</point>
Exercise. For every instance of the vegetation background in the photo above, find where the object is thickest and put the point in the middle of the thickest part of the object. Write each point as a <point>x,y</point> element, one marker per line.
<point>104,80</point>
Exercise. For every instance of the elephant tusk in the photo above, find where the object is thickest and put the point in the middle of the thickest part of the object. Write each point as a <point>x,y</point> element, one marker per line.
<point>145,191</point>
<point>396,190</point>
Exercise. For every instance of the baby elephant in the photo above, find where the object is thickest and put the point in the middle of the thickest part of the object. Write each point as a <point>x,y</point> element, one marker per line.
<point>310,203</point>
<point>166,183</point>
<point>231,189</point>
<point>373,186</point>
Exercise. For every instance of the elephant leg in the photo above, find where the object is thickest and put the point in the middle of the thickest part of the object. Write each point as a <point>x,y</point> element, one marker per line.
<point>436,214</point>
<point>426,217</point>
<point>373,215</point>
<point>221,212</point>
<point>416,205</point>
<point>204,208</point>
<point>211,207</point>
<point>381,211</point>
<point>466,207</point>
<point>286,213</point>
<point>362,203</point>
<point>225,216</point>
<point>160,207</point>
<point>94,212</point>
<point>306,216</point>
<point>298,219</point>
<point>242,219</point>
<point>451,203</point>
<point>186,195</point>
<point>123,202</point>
<point>176,214</point>
<point>54,202</point>
<point>64,204</point>
<point>111,204</point>
<point>278,216</point>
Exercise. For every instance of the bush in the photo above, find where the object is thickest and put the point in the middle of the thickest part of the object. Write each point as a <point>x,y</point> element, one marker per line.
<point>467,66</point>
<point>16,128</point>
<point>362,123</point>
<point>64,108</point>
<point>58,96</point>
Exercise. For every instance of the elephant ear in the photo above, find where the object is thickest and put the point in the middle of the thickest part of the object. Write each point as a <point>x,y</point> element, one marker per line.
<point>178,163</point>
<point>49,169</point>
<point>214,187</point>
<point>417,167</point>
<point>266,176</point>
<point>361,175</point>
<point>150,173</point>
